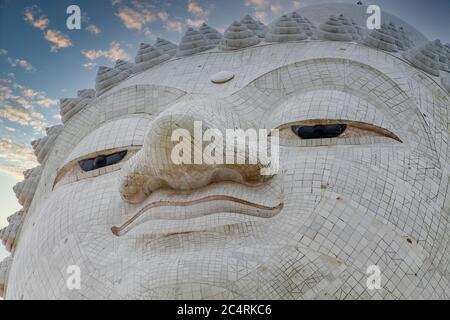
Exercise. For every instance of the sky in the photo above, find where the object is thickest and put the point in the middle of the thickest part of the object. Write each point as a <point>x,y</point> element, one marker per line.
<point>41,60</point>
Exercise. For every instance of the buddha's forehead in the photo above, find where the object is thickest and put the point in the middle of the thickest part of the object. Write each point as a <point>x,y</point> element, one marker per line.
<point>259,81</point>
<point>195,75</point>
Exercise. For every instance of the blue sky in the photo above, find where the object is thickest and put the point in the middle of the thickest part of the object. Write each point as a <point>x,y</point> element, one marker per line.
<point>42,61</point>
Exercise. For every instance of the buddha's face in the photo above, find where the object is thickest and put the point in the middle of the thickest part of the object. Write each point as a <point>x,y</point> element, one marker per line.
<point>362,180</point>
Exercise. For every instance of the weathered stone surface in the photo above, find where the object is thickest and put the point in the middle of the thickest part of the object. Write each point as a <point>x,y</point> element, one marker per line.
<point>425,58</point>
<point>438,49</point>
<point>110,77</point>
<point>397,36</point>
<point>381,39</point>
<point>148,57</point>
<point>405,38</point>
<point>71,106</point>
<point>43,146</point>
<point>238,36</point>
<point>222,77</point>
<point>192,42</point>
<point>211,34</point>
<point>166,47</point>
<point>254,25</point>
<point>5,266</point>
<point>359,188</point>
<point>26,189</point>
<point>307,26</point>
<point>447,48</point>
<point>10,233</point>
<point>263,27</point>
<point>333,29</point>
<point>125,67</point>
<point>285,29</point>
<point>358,29</point>
<point>445,80</point>
<point>350,27</point>
<point>86,93</point>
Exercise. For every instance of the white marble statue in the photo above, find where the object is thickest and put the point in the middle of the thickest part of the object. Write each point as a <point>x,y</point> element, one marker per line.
<point>363,177</point>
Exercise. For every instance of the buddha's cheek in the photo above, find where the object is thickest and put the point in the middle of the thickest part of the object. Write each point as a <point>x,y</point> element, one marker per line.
<point>71,227</point>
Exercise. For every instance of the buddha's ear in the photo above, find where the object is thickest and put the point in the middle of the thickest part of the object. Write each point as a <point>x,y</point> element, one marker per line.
<point>26,189</point>
<point>5,266</point>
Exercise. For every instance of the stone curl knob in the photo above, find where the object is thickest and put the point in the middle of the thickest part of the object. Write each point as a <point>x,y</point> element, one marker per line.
<point>222,77</point>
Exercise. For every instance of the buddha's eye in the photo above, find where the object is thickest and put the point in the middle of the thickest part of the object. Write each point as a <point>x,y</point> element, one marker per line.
<point>101,161</point>
<point>88,166</point>
<point>319,131</point>
<point>325,132</point>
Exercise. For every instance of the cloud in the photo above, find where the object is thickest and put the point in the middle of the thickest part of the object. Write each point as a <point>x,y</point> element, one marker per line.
<point>89,65</point>
<point>15,158</point>
<point>256,3</point>
<point>266,9</point>
<point>22,102</point>
<point>27,92</point>
<point>45,103</point>
<point>261,15</point>
<point>22,63</point>
<point>149,33</point>
<point>222,28</point>
<point>14,170</point>
<point>200,14</point>
<point>92,28</point>
<point>9,129</point>
<point>58,40</point>
<point>276,8</point>
<point>196,9</point>
<point>163,15</point>
<point>196,23</point>
<point>140,15</point>
<point>30,15</point>
<point>115,2</point>
<point>5,91</point>
<point>261,4</point>
<point>17,105</point>
<point>136,17</point>
<point>114,53</point>
<point>172,26</point>
<point>23,117</point>
<point>260,7</point>
<point>3,52</point>
<point>16,115</point>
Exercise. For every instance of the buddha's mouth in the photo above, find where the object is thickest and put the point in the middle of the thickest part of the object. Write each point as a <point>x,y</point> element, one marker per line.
<point>214,206</point>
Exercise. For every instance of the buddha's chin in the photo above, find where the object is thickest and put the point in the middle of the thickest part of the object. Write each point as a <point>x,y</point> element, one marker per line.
<point>184,291</point>
<point>200,277</point>
<point>190,269</point>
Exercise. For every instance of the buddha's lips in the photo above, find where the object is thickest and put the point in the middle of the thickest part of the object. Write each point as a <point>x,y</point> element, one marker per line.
<point>215,204</point>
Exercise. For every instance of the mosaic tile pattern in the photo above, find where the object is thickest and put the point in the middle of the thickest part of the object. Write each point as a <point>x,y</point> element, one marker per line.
<point>336,206</point>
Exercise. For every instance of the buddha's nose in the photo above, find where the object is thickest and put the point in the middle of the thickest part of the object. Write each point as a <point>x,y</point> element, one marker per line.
<point>176,155</point>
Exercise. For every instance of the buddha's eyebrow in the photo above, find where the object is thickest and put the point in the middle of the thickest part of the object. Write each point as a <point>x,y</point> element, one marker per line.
<point>119,133</point>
